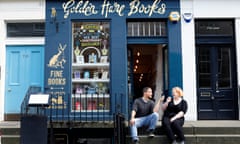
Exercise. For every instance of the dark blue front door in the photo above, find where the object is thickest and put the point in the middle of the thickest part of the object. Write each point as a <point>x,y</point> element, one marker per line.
<point>216,82</point>
<point>24,67</point>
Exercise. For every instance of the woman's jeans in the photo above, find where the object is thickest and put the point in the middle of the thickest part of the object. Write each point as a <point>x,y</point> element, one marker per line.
<point>149,121</point>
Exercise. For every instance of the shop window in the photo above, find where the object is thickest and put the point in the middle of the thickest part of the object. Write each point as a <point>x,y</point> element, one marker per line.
<point>146,29</point>
<point>214,27</point>
<point>90,67</point>
<point>36,29</point>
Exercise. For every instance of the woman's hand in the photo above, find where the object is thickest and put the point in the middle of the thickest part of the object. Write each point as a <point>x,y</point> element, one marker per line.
<point>165,105</point>
<point>177,116</point>
<point>172,119</point>
<point>169,99</point>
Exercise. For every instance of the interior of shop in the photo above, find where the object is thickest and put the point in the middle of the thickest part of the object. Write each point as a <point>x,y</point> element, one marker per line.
<point>145,69</point>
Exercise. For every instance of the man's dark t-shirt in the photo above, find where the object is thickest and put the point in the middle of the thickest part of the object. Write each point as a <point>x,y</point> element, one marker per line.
<point>143,108</point>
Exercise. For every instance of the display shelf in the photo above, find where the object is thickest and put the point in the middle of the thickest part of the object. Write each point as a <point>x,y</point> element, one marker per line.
<point>90,96</point>
<point>97,111</point>
<point>89,80</point>
<point>90,65</point>
<point>90,104</point>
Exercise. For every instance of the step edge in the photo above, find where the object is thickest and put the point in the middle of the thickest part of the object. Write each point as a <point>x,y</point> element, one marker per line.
<point>230,135</point>
<point>10,136</point>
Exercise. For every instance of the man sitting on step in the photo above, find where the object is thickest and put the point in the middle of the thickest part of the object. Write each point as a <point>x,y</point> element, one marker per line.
<point>143,114</point>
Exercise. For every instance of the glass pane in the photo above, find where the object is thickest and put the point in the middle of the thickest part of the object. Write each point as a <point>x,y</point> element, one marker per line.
<point>224,68</point>
<point>163,28</point>
<point>147,29</point>
<point>135,29</point>
<point>152,28</point>
<point>130,28</point>
<point>204,68</point>
<point>90,66</point>
<point>25,29</point>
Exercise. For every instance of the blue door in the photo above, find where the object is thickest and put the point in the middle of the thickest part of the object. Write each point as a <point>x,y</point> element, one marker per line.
<point>217,98</point>
<point>24,67</point>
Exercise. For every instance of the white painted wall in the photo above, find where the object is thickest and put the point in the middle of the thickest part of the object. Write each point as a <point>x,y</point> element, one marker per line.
<point>188,60</point>
<point>203,9</point>
<point>17,11</point>
<point>215,8</point>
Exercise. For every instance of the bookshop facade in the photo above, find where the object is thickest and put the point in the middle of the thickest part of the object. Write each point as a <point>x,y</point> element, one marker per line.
<point>102,53</point>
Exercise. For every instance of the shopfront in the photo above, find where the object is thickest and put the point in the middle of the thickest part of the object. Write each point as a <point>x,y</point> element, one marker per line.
<point>102,53</point>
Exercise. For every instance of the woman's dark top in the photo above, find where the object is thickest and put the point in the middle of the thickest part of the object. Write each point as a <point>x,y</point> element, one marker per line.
<point>172,109</point>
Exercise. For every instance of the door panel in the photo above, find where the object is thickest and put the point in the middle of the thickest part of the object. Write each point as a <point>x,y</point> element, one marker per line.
<point>216,96</point>
<point>35,66</point>
<point>14,79</point>
<point>24,67</point>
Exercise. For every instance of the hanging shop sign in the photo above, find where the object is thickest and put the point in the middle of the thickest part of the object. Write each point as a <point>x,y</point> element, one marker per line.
<point>87,8</point>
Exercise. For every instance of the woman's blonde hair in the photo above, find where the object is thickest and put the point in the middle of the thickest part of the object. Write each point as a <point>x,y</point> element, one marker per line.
<point>178,90</point>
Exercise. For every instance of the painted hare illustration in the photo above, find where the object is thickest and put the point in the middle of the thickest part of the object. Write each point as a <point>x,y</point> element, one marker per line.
<point>56,61</point>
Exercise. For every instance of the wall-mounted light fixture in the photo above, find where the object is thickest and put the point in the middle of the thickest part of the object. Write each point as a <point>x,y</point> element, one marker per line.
<point>54,18</point>
<point>174,16</point>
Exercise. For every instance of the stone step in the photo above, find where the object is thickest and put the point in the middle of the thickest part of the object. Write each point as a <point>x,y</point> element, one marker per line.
<point>199,132</point>
<point>201,128</point>
<point>10,139</point>
<point>195,130</point>
<point>191,139</point>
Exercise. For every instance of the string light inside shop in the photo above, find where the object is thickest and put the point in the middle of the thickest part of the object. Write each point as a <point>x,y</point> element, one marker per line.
<point>136,66</point>
<point>137,62</point>
<point>141,77</point>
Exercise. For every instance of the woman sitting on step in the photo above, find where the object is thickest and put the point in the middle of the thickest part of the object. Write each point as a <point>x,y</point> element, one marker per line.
<point>173,117</point>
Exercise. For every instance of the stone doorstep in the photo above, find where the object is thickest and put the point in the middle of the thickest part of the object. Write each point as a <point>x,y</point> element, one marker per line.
<point>10,140</point>
<point>190,128</point>
<point>191,139</point>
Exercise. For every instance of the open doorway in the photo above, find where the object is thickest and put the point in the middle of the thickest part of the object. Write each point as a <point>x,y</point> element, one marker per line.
<point>145,68</point>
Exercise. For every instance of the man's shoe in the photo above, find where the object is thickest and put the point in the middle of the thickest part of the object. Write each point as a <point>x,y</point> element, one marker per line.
<point>136,142</point>
<point>182,142</point>
<point>151,134</point>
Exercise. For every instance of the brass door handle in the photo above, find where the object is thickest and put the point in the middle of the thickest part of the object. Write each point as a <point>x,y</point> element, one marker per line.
<point>212,97</point>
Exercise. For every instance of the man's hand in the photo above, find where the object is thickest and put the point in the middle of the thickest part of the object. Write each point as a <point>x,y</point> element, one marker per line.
<point>132,121</point>
<point>162,98</point>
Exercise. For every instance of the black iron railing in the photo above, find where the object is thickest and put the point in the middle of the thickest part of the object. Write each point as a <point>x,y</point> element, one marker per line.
<point>77,111</point>
<point>25,108</point>
<point>119,129</point>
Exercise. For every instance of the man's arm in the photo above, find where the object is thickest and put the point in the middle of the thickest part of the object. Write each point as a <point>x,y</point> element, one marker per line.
<point>134,111</point>
<point>132,120</point>
<point>158,104</point>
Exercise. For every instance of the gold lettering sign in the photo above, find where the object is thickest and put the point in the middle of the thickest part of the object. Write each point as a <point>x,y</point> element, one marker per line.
<point>135,7</point>
<point>56,78</point>
<point>58,101</point>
